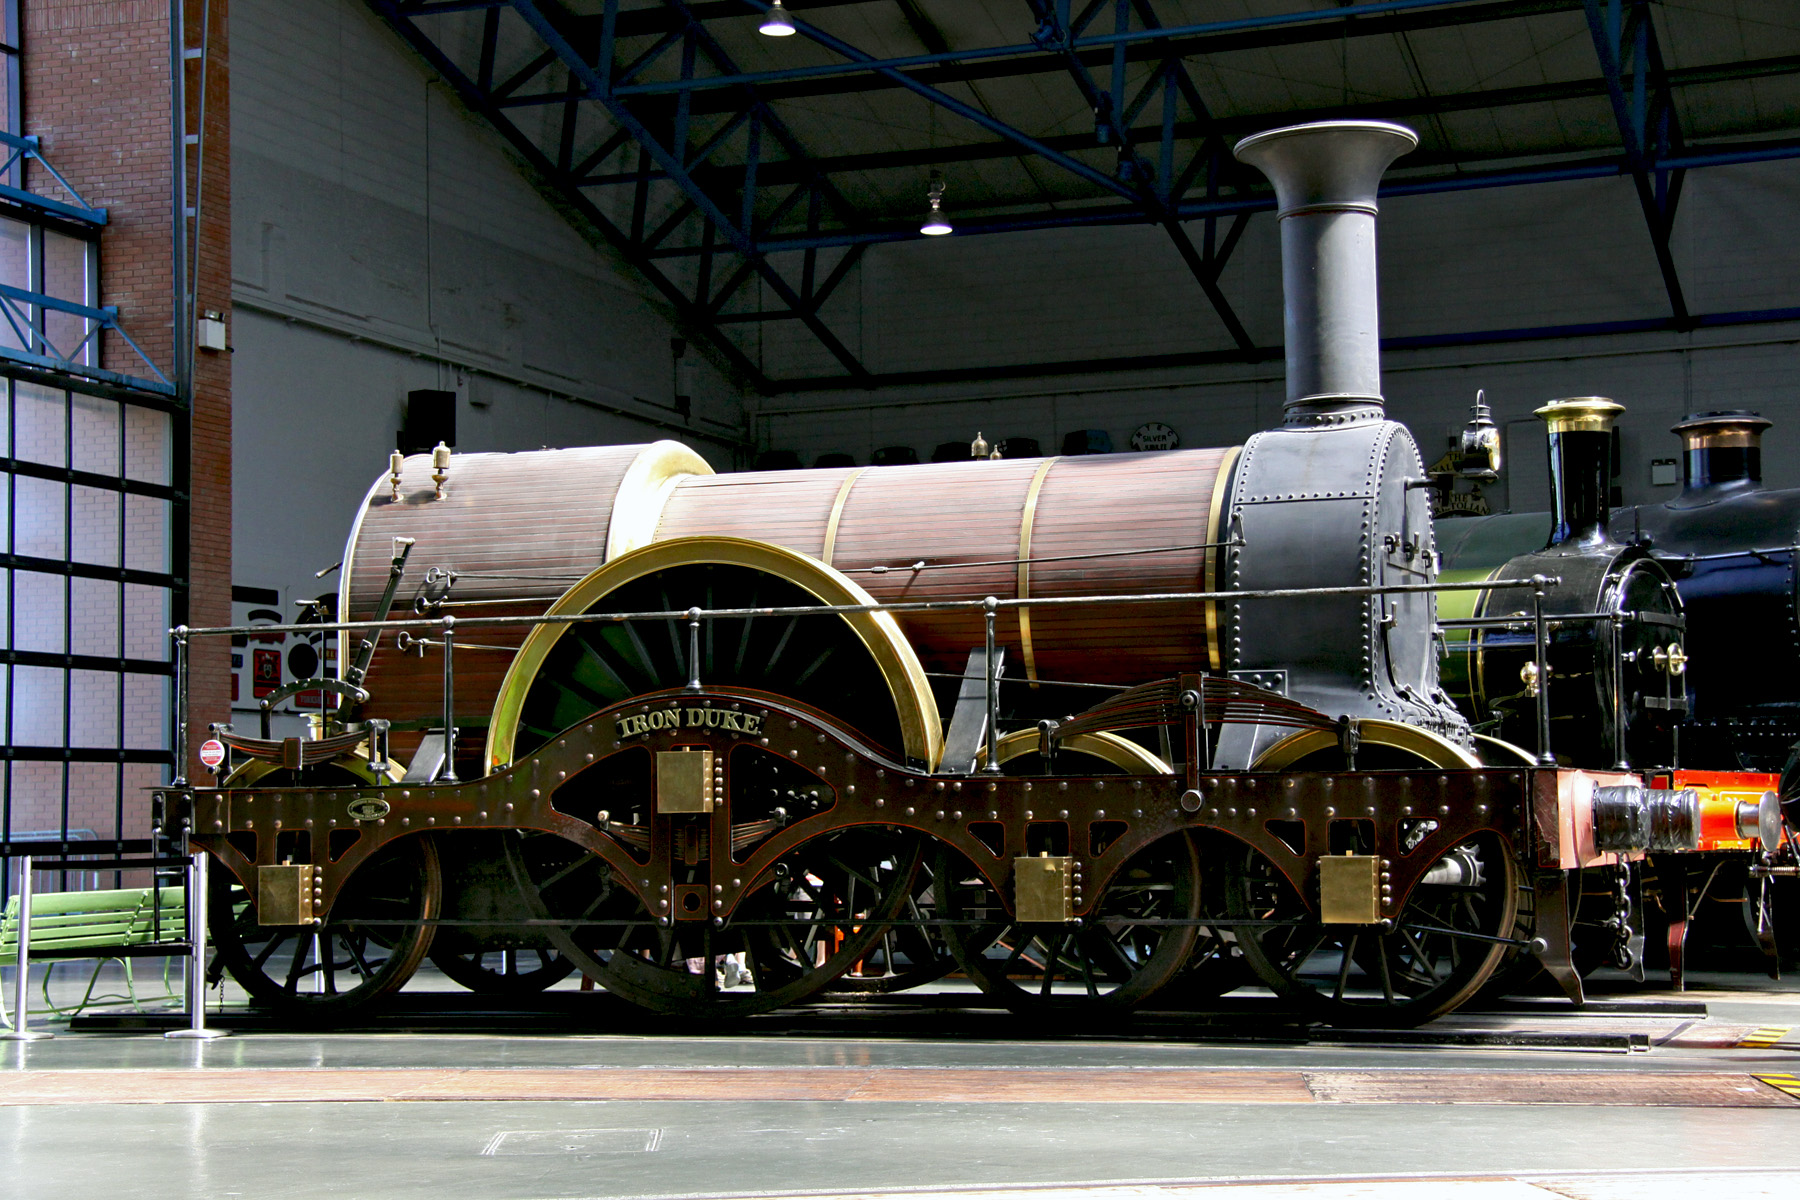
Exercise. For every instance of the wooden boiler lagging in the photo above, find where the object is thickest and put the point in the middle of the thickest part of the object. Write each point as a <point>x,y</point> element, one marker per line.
<point>519,529</point>
<point>1152,519</point>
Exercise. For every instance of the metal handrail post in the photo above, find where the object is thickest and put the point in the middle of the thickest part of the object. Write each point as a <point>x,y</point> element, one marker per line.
<point>992,766</point>
<point>1541,637</point>
<point>693,684</point>
<point>448,774</point>
<point>21,981</point>
<point>196,967</point>
<point>180,634</point>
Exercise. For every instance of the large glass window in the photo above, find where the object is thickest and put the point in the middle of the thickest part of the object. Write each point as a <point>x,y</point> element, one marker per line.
<point>88,591</point>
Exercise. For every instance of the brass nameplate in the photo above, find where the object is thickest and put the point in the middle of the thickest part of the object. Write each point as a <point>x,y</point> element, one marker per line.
<point>684,781</point>
<point>1041,890</point>
<point>1350,889</point>
<point>284,895</point>
<point>675,716</point>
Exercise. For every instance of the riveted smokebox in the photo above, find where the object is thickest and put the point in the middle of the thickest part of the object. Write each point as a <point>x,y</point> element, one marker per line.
<point>1325,176</point>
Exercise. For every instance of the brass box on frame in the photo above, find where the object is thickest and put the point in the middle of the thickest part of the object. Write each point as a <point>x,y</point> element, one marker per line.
<point>1350,889</point>
<point>684,781</point>
<point>284,895</point>
<point>1041,888</point>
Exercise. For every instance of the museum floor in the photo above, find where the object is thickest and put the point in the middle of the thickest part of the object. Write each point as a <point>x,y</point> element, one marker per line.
<point>1647,1093</point>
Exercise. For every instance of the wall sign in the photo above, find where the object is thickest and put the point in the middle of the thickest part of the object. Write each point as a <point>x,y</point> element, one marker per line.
<point>1154,435</point>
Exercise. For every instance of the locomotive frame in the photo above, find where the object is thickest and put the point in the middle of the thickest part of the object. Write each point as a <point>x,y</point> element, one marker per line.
<point>1275,784</point>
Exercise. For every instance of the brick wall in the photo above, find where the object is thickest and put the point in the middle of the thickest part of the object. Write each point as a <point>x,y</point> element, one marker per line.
<point>96,90</point>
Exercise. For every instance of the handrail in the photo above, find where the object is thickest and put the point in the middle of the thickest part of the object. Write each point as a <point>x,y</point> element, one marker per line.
<point>989,607</point>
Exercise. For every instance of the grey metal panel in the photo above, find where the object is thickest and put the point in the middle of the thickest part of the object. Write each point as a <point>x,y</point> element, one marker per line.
<point>1327,505</point>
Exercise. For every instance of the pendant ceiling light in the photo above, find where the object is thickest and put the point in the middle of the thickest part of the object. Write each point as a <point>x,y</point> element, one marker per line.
<point>776,22</point>
<point>936,224</point>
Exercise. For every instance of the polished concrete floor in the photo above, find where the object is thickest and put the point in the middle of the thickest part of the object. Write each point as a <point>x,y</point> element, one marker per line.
<point>581,1100</point>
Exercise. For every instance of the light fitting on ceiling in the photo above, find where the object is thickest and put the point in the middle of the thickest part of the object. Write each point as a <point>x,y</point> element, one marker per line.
<point>936,224</point>
<point>776,22</point>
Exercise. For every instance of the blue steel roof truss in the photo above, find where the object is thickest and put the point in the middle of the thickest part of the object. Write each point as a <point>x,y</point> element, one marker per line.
<point>721,192</point>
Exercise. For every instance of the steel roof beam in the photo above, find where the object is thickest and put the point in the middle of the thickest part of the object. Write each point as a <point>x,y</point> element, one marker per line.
<point>1608,167</point>
<point>1354,26</point>
<point>1231,127</point>
<point>1643,106</point>
<point>480,101</point>
<point>1105,42</point>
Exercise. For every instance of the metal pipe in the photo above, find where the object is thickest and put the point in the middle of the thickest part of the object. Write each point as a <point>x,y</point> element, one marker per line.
<point>991,608</point>
<point>1616,641</point>
<point>180,634</point>
<point>448,774</point>
<point>21,986</point>
<point>1325,176</point>
<point>826,610</point>
<point>196,965</point>
<point>1541,636</point>
<point>693,649</point>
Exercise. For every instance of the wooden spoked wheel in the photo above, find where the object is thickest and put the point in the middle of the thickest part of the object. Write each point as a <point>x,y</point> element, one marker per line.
<point>822,908</point>
<point>368,946</point>
<point>1115,958</point>
<point>1444,945</point>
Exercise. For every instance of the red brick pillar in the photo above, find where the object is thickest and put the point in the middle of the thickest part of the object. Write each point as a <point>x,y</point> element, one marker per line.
<point>96,90</point>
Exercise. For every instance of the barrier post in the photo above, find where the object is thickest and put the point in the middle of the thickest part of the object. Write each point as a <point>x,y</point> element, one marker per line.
<point>20,1032</point>
<point>196,967</point>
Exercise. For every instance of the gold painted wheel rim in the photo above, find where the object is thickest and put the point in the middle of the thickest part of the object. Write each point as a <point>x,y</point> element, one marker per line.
<point>1121,752</point>
<point>921,728</point>
<point>1393,735</point>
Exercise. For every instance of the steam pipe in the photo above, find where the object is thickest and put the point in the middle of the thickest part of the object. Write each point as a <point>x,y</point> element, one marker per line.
<point>1325,176</point>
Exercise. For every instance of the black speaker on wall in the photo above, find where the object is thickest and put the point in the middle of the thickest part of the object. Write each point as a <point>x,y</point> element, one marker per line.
<point>430,418</point>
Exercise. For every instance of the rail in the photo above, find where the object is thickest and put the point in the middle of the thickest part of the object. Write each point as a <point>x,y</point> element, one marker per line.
<point>990,607</point>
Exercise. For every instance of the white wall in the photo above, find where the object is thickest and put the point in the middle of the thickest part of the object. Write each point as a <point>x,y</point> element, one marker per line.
<point>383,241</point>
<point>1551,254</point>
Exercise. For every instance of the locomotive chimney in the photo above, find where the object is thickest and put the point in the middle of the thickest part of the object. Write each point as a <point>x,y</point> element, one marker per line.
<point>1723,452</point>
<point>1580,468</point>
<point>1325,176</point>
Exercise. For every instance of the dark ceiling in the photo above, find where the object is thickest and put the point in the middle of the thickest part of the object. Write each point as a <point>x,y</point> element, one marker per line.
<point>713,156</point>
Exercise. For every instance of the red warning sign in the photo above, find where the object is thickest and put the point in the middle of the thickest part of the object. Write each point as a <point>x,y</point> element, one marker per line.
<point>212,753</point>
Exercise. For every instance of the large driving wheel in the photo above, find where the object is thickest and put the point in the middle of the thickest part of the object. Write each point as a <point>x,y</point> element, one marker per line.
<point>819,911</point>
<point>822,908</point>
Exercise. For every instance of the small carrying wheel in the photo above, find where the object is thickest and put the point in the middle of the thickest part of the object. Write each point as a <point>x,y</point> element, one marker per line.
<point>369,945</point>
<point>371,942</point>
<point>1446,941</point>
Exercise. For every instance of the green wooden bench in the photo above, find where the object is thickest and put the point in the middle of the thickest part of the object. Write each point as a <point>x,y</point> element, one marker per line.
<point>102,925</point>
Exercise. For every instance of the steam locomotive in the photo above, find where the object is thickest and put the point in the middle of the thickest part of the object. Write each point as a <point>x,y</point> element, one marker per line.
<point>1084,729</point>
<point>1696,714</point>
